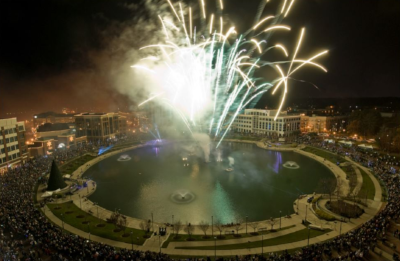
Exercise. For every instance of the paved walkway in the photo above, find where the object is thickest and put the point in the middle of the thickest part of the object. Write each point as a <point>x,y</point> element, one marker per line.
<point>378,189</point>
<point>301,207</point>
<point>357,188</point>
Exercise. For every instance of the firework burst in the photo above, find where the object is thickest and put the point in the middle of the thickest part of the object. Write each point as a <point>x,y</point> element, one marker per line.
<point>207,76</point>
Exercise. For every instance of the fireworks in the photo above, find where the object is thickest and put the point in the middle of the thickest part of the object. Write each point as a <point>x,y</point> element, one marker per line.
<point>207,76</point>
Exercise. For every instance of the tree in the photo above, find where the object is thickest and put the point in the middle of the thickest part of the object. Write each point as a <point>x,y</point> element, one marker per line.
<point>121,222</point>
<point>254,226</point>
<point>327,186</point>
<point>238,227</point>
<point>204,227</point>
<point>189,229</point>
<point>177,227</point>
<point>56,180</point>
<point>218,227</point>
<point>143,226</point>
<point>114,219</point>
<point>272,222</point>
<point>339,183</point>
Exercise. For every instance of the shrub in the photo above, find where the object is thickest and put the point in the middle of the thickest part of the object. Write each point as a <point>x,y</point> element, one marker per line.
<point>324,215</point>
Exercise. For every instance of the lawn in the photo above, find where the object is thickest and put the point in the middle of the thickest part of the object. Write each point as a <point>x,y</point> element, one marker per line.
<point>73,165</point>
<point>350,173</point>
<point>184,238</point>
<point>367,186</point>
<point>289,238</point>
<point>75,217</point>
<point>325,154</point>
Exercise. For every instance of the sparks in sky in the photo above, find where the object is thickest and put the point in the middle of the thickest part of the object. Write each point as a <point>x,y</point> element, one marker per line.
<point>208,76</point>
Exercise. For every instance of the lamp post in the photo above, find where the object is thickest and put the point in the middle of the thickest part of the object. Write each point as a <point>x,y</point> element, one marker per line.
<point>340,231</point>
<point>159,238</point>
<point>305,218</point>
<point>308,238</point>
<point>246,224</point>
<point>89,229</point>
<point>172,219</point>
<point>132,239</point>
<point>215,248</point>
<point>152,224</point>
<point>280,219</point>
<point>97,205</point>
<point>262,244</point>
<point>62,219</point>
<point>212,226</point>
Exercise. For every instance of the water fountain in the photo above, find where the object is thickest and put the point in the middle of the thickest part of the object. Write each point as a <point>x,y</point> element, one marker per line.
<point>182,196</point>
<point>291,165</point>
<point>231,162</point>
<point>124,157</point>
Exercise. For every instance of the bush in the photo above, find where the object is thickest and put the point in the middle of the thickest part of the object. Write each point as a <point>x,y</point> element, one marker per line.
<point>324,215</point>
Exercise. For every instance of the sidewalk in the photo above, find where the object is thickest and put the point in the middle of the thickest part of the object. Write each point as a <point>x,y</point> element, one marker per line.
<point>153,244</point>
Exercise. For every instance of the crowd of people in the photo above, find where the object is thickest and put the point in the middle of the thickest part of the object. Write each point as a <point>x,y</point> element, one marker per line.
<point>26,234</point>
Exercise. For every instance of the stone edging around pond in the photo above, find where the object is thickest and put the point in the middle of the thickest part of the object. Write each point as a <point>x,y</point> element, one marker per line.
<point>134,223</point>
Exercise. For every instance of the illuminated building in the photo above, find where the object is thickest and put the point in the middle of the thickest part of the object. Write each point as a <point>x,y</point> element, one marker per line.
<point>262,122</point>
<point>52,117</point>
<point>12,143</point>
<point>323,123</point>
<point>100,126</point>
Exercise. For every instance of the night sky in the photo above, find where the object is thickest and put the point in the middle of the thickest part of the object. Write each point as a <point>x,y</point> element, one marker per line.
<point>67,53</point>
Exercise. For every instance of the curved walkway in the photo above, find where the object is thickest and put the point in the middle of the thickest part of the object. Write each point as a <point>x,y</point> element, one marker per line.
<point>153,244</point>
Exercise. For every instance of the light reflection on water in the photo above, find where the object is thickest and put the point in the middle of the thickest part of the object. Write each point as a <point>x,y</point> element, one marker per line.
<point>258,187</point>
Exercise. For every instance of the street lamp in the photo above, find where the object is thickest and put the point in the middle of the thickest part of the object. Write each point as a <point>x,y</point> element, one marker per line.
<point>280,219</point>
<point>308,239</point>
<point>246,224</point>
<point>172,219</point>
<point>212,226</point>
<point>159,238</point>
<point>262,244</point>
<point>97,205</point>
<point>152,224</point>
<point>132,239</point>
<point>340,232</point>
<point>215,248</point>
<point>89,229</point>
<point>305,218</point>
<point>62,219</point>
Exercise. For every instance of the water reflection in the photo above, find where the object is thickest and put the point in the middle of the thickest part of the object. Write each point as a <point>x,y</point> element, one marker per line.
<point>145,184</point>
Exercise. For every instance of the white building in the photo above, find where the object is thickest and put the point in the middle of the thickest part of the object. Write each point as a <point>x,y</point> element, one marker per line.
<point>262,122</point>
<point>12,143</point>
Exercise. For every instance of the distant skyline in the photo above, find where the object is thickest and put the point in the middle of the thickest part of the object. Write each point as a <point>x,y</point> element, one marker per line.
<point>56,54</point>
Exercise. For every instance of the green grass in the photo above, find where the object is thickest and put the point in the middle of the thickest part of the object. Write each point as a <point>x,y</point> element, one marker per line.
<point>105,232</point>
<point>73,165</point>
<point>184,238</point>
<point>289,238</point>
<point>350,173</point>
<point>325,154</point>
<point>367,186</point>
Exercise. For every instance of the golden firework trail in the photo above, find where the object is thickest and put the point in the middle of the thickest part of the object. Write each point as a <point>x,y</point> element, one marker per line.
<point>207,75</point>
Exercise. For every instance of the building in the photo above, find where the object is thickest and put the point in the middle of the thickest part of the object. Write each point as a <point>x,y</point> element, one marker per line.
<point>52,117</point>
<point>262,122</point>
<point>323,123</point>
<point>100,126</point>
<point>13,149</point>
<point>54,130</point>
<point>47,145</point>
